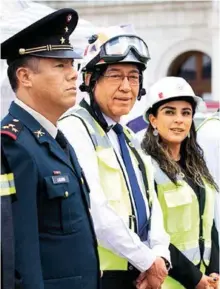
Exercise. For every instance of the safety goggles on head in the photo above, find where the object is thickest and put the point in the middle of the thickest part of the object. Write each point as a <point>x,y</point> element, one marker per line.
<point>118,47</point>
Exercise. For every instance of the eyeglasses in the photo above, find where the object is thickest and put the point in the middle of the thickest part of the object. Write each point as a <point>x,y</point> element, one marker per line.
<point>133,79</point>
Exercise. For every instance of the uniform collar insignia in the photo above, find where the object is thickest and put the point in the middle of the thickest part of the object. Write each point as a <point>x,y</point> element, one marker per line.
<point>39,133</point>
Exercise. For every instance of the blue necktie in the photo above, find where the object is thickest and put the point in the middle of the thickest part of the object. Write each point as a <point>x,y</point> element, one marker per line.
<point>136,192</point>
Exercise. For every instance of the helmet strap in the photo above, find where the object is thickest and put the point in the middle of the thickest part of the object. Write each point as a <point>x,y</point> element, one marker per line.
<point>142,91</point>
<point>95,112</point>
<point>94,108</point>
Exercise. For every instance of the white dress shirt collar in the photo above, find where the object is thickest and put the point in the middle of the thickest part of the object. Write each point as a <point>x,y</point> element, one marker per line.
<point>46,124</point>
<point>109,121</point>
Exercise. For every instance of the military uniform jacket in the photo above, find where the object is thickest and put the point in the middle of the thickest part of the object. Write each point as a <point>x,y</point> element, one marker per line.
<point>55,244</point>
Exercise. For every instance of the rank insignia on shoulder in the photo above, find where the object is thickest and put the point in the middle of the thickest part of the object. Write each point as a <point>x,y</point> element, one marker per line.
<point>12,129</point>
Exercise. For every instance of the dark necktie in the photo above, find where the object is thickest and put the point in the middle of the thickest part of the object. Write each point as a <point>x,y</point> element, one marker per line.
<point>136,192</point>
<point>62,141</point>
<point>60,138</point>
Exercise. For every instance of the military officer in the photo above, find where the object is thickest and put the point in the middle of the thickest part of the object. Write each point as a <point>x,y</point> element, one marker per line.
<point>55,244</point>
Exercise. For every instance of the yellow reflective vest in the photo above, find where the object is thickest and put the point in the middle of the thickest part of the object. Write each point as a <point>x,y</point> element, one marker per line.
<point>113,182</point>
<point>182,219</point>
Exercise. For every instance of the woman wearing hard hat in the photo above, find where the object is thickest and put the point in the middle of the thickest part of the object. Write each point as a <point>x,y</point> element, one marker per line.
<point>185,188</point>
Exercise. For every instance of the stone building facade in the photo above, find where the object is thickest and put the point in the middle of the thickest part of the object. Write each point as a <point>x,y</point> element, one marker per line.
<point>183,36</point>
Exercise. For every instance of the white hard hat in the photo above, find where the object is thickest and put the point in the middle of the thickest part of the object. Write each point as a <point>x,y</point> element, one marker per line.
<point>167,88</point>
<point>113,45</point>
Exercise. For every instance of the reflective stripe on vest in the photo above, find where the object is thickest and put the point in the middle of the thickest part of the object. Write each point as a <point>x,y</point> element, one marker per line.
<point>181,215</point>
<point>215,116</point>
<point>111,174</point>
<point>7,186</point>
<point>193,254</point>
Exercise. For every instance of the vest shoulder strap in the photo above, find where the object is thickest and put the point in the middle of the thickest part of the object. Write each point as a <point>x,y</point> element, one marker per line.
<point>82,115</point>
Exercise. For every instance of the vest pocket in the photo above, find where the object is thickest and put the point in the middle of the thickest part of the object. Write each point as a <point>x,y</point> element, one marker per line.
<point>110,174</point>
<point>113,183</point>
<point>178,210</point>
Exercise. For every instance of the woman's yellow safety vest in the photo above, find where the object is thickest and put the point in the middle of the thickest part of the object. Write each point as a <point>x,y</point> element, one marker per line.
<point>182,219</point>
<point>113,182</point>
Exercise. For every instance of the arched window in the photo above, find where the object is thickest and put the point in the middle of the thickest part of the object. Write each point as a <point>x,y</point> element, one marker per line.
<point>196,68</point>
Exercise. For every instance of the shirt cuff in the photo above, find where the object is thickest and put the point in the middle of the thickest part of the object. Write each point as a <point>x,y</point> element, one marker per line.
<point>162,251</point>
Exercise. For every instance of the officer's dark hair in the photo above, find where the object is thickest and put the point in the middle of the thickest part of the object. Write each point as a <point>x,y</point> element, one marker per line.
<point>27,61</point>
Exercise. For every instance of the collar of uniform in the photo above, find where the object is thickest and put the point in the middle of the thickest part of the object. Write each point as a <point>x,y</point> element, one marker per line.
<point>45,123</point>
<point>20,114</point>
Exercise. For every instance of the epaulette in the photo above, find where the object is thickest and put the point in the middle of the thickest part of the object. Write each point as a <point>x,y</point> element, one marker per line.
<point>12,128</point>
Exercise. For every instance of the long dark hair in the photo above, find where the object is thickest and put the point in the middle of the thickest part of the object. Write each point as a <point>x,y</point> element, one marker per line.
<point>194,164</point>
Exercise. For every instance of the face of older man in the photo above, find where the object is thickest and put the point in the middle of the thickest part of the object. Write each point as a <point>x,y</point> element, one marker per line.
<point>116,91</point>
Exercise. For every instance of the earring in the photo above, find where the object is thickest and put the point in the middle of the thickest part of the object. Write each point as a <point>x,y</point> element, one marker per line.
<point>155,132</point>
<point>188,135</point>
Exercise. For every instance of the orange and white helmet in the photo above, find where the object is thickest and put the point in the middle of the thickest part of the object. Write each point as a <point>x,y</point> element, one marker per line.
<point>113,45</point>
<point>168,88</point>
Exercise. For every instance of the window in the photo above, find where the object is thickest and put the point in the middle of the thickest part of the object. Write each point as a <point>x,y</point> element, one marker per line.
<point>196,68</point>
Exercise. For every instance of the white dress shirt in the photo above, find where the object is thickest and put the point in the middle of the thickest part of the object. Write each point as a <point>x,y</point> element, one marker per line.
<point>112,231</point>
<point>46,124</point>
<point>208,137</point>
